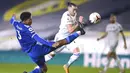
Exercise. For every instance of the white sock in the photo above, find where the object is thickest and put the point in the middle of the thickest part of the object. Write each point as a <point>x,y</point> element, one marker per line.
<point>48,57</point>
<point>73,58</point>
<point>118,63</point>
<point>107,65</point>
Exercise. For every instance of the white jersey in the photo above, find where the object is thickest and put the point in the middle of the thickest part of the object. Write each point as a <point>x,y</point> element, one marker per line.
<point>63,32</point>
<point>113,31</point>
<point>66,19</point>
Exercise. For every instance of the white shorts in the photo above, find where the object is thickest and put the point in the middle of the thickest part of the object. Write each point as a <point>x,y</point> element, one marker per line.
<point>111,47</point>
<point>70,46</point>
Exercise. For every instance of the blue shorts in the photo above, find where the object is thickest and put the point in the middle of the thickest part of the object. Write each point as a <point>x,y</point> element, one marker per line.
<point>38,52</point>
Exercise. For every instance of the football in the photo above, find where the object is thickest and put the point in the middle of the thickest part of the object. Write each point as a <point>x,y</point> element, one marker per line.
<point>94,17</point>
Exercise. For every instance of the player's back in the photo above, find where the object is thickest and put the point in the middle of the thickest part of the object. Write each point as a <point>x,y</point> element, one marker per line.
<point>24,35</point>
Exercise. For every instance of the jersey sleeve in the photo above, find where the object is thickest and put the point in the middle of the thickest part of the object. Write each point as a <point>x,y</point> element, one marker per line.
<point>41,40</point>
<point>32,34</point>
<point>120,28</point>
<point>13,20</point>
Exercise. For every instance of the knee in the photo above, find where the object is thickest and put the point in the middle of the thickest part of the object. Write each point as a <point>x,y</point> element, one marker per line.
<point>109,55</point>
<point>52,54</point>
<point>76,51</point>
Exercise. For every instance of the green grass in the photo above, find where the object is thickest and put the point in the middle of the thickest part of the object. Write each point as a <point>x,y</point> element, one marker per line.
<point>19,68</point>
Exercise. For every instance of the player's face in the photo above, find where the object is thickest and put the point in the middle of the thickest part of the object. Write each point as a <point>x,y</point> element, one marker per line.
<point>112,19</point>
<point>72,10</point>
<point>28,21</point>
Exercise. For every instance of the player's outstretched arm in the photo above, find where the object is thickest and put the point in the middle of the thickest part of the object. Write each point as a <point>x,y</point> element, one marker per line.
<point>32,34</point>
<point>123,36</point>
<point>13,19</point>
<point>41,40</point>
<point>103,36</point>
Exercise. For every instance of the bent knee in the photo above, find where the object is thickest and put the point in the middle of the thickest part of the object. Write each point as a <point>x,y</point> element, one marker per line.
<point>76,50</point>
<point>52,54</point>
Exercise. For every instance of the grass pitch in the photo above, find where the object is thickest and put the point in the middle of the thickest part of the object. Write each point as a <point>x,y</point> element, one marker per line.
<point>19,68</point>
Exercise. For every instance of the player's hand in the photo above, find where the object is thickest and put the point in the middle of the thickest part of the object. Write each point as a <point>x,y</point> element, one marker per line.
<point>125,46</point>
<point>14,15</point>
<point>81,19</point>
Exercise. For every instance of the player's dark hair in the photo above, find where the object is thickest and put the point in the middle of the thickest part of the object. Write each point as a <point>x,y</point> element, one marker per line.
<point>25,16</point>
<point>112,15</point>
<point>69,4</point>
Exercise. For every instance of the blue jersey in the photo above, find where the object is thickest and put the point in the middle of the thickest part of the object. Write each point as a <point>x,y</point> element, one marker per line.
<point>26,35</point>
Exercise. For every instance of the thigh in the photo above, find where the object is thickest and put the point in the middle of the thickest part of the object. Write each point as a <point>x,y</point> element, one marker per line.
<point>73,47</point>
<point>113,47</point>
<point>40,50</point>
<point>40,61</point>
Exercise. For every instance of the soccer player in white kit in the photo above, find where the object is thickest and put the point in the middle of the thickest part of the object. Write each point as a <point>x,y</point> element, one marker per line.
<point>68,25</point>
<point>112,33</point>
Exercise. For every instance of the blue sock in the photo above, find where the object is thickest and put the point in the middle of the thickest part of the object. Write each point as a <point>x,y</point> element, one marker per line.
<point>36,70</point>
<point>72,37</point>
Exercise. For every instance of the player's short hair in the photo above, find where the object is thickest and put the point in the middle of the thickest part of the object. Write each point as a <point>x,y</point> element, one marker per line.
<point>112,15</point>
<point>25,16</point>
<point>69,4</point>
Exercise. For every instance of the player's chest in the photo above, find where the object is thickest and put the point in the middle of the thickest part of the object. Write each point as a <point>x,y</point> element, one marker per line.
<point>112,28</point>
<point>73,19</point>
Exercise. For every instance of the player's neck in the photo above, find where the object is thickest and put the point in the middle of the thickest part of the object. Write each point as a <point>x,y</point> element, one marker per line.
<point>25,23</point>
<point>70,14</point>
<point>112,22</point>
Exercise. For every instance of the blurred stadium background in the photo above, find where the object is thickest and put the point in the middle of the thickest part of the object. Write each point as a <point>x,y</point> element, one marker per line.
<point>46,19</point>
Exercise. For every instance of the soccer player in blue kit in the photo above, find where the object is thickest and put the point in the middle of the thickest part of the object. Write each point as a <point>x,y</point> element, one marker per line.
<point>35,46</point>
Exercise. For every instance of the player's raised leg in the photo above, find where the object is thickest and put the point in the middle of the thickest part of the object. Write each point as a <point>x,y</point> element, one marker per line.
<point>65,41</point>
<point>68,39</point>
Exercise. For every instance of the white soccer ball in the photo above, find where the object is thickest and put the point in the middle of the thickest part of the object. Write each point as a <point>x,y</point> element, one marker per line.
<point>94,17</point>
